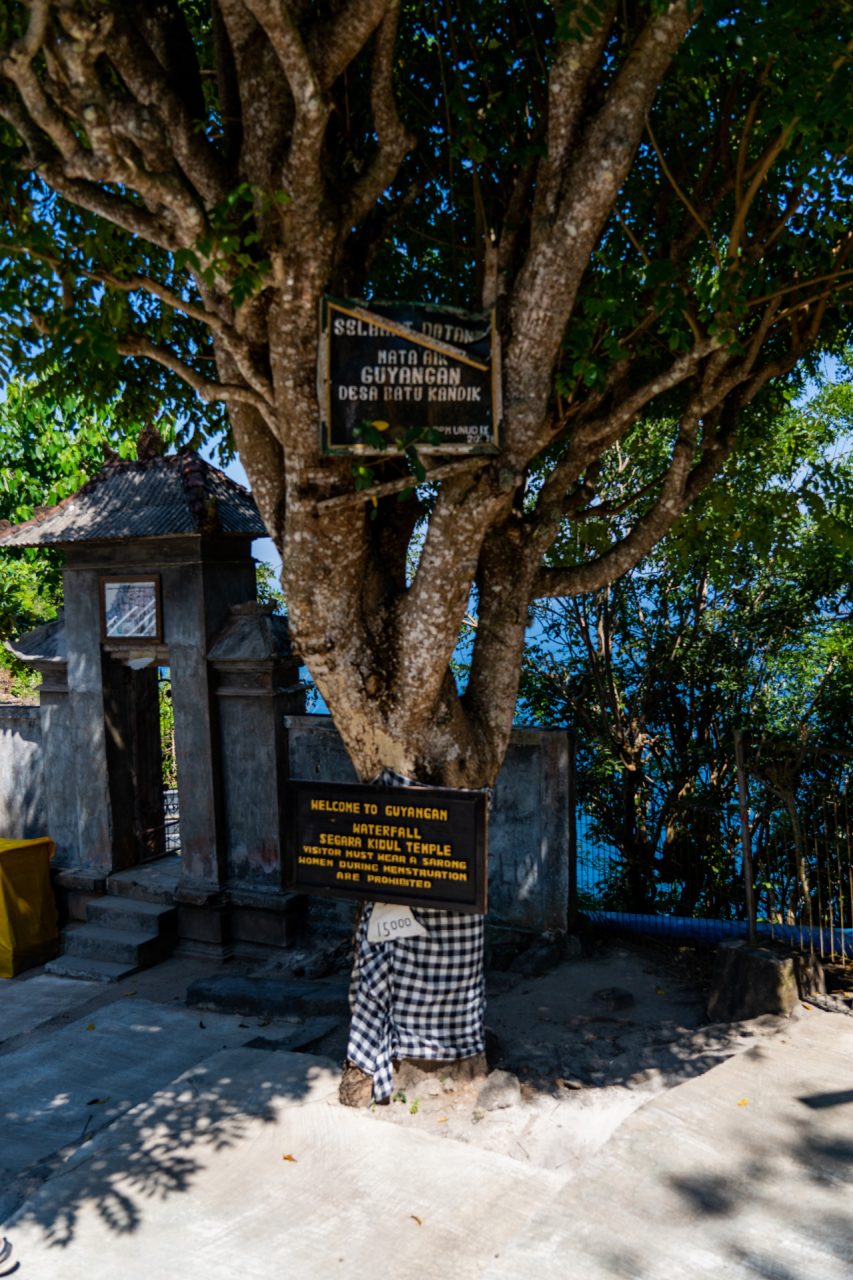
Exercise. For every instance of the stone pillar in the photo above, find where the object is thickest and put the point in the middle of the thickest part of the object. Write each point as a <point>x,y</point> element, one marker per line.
<point>197,595</point>
<point>257,686</point>
<point>183,609</point>
<point>86,745</point>
<point>200,899</point>
<point>58,769</point>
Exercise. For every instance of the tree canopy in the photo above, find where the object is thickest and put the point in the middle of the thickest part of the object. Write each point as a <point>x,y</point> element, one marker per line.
<point>653,195</point>
<point>739,620</point>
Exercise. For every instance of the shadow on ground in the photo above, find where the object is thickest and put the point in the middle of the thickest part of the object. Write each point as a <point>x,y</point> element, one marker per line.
<point>808,1218</point>
<point>747,1173</point>
<point>624,1017</point>
<point>157,1150</point>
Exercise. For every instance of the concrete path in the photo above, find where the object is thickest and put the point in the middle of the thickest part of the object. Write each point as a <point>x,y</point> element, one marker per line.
<point>60,1088</point>
<point>746,1171</point>
<point>248,1167</point>
<point>95,1070</point>
<point>26,1005</point>
<point>241,1163</point>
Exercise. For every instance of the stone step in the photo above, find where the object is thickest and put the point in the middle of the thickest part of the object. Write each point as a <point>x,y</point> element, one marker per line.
<point>271,997</point>
<point>152,882</point>
<point>138,892</point>
<point>88,969</point>
<point>93,941</point>
<point>130,915</point>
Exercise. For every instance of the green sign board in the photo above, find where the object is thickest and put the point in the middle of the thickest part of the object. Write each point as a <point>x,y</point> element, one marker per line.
<point>393,373</point>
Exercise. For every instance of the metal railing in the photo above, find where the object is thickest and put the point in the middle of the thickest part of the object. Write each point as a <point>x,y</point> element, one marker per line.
<point>772,856</point>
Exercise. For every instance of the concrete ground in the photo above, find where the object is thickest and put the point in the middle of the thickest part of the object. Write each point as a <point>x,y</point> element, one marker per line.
<point>622,1138</point>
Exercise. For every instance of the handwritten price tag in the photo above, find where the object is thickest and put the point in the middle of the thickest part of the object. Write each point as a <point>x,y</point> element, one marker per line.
<point>388,923</point>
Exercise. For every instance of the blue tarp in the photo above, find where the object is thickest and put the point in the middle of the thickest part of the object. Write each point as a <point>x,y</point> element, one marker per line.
<point>826,941</point>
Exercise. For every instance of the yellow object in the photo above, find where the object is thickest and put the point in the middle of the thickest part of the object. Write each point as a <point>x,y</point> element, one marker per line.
<point>29,931</point>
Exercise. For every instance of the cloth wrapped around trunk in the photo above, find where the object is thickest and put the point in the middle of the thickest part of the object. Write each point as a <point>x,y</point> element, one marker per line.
<point>417,997</point>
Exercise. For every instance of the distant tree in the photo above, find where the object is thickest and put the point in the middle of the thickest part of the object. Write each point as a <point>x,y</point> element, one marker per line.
<point>739,619</point>
<point>269,590</point>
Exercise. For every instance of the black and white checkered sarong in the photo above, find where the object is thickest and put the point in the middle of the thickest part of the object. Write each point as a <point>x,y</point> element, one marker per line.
<point>417,997</point>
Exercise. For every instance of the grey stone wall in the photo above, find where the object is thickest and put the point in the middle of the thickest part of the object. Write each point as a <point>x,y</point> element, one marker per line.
<point>528,823</point>
<point>22,797</point>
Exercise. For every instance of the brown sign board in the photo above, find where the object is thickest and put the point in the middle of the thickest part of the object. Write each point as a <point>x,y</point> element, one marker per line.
<point>416,846</point>
<point>394,374</point>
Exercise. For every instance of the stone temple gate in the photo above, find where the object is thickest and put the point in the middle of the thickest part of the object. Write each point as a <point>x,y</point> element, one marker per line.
<point>159,586</point>
<point>158,577</point>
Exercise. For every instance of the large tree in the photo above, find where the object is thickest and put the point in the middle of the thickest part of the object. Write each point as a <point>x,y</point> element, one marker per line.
<point>652,194</point>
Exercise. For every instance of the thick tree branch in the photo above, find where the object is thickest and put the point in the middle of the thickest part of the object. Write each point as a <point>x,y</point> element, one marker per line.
<point>311,105</point>
<point>111,121</point>
<point>39,149</point>
<point>148,82</point>
<point>301,176</point>
<point>606,428</point>
<point>503,592</point>
<point>394,141</point>
<point>591,438</point>
<point>538,312</point>
<point>72,168</point>
<point>261,452</point>
<point>275,18</point>
<point>230,393</point>
<point>687,477</point>
<point>17,67</point>
<point>132,218</point>
<point>257,98</point>
<point>575,65</point>
<point>674,497</point>
<point>428,617</point>
<point>236,346</point>
<point>334,43</point>
<point>33,37</point>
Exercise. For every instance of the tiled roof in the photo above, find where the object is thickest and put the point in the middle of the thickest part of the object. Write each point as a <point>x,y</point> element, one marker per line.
<point>252,632</point>
<point>45,644</point>
<point>151,499</point>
